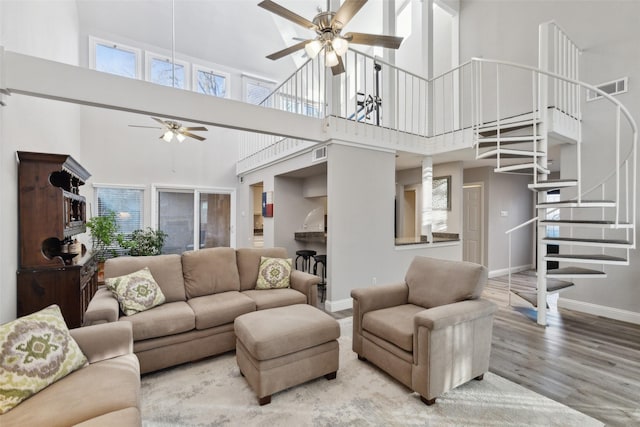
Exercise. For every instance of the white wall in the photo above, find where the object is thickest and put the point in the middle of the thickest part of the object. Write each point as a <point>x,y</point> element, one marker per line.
<point>48,30</point>
<point>608,34</point>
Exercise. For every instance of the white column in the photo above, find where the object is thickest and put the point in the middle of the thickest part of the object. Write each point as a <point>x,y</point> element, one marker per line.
<point>427,197</point>
<point>389,89</point>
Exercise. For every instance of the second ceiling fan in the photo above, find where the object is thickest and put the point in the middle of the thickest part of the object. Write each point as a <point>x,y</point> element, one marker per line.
<point>328,26</point>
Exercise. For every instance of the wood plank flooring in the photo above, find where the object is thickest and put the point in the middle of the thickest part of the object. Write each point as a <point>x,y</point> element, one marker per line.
<point>588,363</point>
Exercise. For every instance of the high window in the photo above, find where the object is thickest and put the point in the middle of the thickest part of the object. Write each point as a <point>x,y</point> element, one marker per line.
<point>114,58</point>
<point>210,82</point>
<point>161,70</point>
<point>256,90</point>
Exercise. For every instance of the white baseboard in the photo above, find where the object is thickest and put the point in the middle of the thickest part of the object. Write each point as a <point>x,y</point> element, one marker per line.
<point>504,271</point>
<point>600,310</point>
<point>343,304</point>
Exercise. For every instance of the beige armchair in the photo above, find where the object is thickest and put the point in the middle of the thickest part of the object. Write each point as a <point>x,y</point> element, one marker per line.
<point>431,332</point>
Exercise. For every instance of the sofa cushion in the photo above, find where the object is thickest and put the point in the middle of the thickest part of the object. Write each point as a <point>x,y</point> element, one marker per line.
<point>275,297</point>
<point>136,292</point>
<point>99,388</point>
<point>248,260</point>
<point>35,351</point>
<point>123,417</point>
<point>434,282</point>
<point>393,324</point>
<point>221,308</point>
<point>166,319</point>
<point>166,269</point>
<point>210,271</point>
<point>274,273</point>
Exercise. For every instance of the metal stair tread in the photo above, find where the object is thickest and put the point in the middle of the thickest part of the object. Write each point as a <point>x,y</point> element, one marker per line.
<point>575,272</point>
<point>521,166</point>
<point>508,126</point>
<point>506,153</point>
<point>595,241</point>
<point>585,223</point>
<point>551,184</point>
<point>575,203</point>
<point>585,257</point>
<point>530,296</point>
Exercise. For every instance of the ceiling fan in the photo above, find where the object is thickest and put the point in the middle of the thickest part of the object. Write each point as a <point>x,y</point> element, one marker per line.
<point>328,26</point>
<point>175,129</point>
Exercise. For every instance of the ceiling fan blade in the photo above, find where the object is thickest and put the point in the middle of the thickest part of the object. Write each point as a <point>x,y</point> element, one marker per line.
<point>392,42</point>
<point>148,127</point>
<point>162,122</point>
<point>348,9</point>
<point>284,52</point>
<point>338,69</point>
<point>286,13</point>
<point>193,135</point>
<point>202,128</point>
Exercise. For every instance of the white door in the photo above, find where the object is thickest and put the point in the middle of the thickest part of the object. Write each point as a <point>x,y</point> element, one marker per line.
<point>472,222</point>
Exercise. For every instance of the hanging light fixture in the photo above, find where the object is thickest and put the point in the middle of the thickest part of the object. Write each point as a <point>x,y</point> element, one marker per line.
<point>340,45</point>
<point>330,58</point>
<point>313,48</point>
<point>168,136</point>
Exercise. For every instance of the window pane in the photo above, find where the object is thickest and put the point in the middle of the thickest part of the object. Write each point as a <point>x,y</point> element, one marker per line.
<point>211,84</point>
<point>257,93</point>
<point>175,217</point>
<point>161,72</point>
<point>112,60</point>
<point>215,220</point>
<point>127,203</point>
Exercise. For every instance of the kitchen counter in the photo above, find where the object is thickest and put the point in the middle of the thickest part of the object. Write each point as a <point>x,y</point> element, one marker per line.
<point>437,238</point>
<point>310,236</point>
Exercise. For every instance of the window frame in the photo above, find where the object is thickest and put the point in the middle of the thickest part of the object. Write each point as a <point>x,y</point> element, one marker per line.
<point>94,41</point>
<point>258,81</point>
<point>149,56</point>
<point>195,68</point>
<point>196,191</point>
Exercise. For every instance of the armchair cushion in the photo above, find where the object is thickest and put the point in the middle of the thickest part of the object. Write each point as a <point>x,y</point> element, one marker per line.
<point>393,324</point>
<point>435,282</point>
<point>35,351</point>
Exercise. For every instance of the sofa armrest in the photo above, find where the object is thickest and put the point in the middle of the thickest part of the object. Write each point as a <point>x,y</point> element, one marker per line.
<point>105,341</point>
<point>307,284</point>
<point>103,308</point>
<point>374,298</point>
<point>453,314</point>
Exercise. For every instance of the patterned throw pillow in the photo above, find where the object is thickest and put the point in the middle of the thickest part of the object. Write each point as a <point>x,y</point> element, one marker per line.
<point>136,291</point>
<point>35,351</point>
<point>274,273</point>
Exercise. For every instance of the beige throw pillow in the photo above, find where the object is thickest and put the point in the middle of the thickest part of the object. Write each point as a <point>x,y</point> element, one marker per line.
<point>136,291</point>
<point>274,273</point>
<point>35,351</point>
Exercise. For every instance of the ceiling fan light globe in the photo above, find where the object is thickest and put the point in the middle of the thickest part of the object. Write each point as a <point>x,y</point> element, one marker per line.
<point>168,136</point>
<point>340,45</point>
<point>331,59</point>
<point>180,137</point>
<point>313,48</point>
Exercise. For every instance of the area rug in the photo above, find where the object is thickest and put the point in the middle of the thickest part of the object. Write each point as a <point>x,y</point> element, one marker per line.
<point>212,393</point>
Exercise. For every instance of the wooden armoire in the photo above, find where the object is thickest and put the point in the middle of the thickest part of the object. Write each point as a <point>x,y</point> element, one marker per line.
<point>51,212</point>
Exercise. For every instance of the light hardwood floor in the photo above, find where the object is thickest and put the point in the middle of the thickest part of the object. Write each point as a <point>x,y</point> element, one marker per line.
<point>588,363</point>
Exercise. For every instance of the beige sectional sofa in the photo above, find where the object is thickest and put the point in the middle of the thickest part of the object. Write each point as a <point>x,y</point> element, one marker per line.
<point>106,392</point>
<point>205,291</point>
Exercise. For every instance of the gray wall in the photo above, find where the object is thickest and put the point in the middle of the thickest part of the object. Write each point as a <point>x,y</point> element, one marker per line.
<point>609,36</point>
<point>504,193</point>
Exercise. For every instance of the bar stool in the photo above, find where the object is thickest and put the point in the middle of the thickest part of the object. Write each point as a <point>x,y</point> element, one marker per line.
<point>306,255</point>
<point>322,286</point>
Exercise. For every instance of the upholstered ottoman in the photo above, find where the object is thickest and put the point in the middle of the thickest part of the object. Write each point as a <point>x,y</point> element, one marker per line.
<point>285,346</point>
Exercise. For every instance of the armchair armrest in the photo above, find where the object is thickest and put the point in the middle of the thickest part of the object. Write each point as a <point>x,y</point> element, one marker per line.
<point>374,298</point>
<point>103,308</point>
<point>105,341</point>
<point>307,284</point>
<point>452,314</point>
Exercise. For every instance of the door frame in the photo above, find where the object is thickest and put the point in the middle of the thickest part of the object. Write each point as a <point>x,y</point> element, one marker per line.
<point>479,184</point>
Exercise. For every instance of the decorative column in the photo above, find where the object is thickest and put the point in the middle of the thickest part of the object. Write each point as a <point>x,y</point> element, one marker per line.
<point>427,197</point>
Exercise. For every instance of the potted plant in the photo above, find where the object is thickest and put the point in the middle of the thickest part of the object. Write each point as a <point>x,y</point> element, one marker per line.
<point>143,242</point>
<point>104,232</point>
